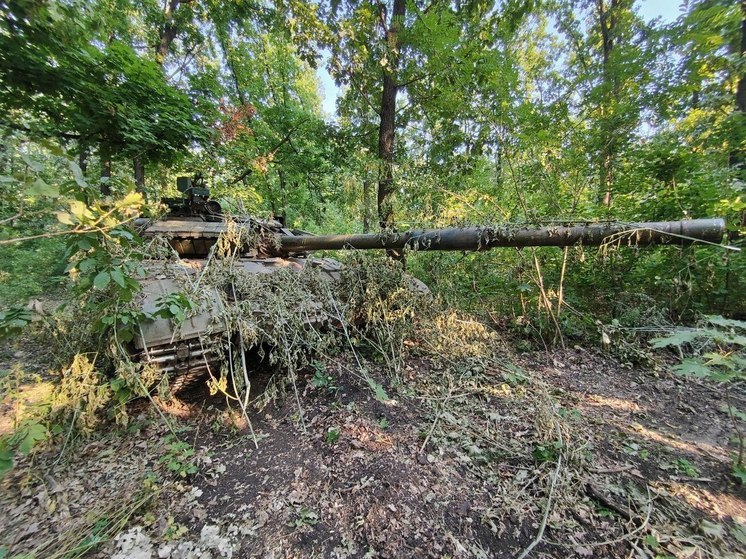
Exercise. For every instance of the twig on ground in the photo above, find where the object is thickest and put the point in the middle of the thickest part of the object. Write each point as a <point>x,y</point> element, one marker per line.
<point>615,470</point>
<point>441,408</point>
<point>543,525</point>
<point>626,537</point>
<point>596,494</point>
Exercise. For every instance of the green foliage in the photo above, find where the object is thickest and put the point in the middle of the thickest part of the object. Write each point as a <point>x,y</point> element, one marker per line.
<point>718,349</point>
<point>513,113</point>
<point>105,95</point>
<point>686,467</point>
<point>378,391</point>
<point>30,414</point>
<point>27,435</point>
<point>323,380</point>
<point>739,472</point>
<point>83,394</point>
<point>179,457</point>
<point>332,435</point>
<point>719,346</point>
<point>13,321</point>
<point>175,306</point>
<point>547,452</point>
<point>305,517</point>
<point>104,262</point>
<point>33,269</point>
<point>381,304</point>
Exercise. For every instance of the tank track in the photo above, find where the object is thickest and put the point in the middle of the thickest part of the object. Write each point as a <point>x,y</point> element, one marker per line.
<point>186,362</point>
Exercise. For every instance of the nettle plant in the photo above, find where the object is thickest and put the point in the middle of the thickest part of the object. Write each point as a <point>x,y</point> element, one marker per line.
<point>104,266</point>
<point>716,351</point>
<point>105,261</point>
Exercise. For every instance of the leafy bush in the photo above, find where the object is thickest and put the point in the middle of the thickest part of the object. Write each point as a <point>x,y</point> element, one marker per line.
<point>717,352</point>
<point>35,268</point>
<point>179,457</point>
<point>30,400</point>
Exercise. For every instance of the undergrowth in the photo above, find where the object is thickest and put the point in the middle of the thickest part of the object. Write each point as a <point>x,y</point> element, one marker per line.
<point>715,349</point>
<point>373,310</point>
<point>35,269</point>
<point>289,317</point>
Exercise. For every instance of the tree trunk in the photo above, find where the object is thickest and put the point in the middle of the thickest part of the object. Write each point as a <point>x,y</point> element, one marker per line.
<point>737,156</point>
<point>741,91</point>
<point>167,36</point>
<point>366,206</point>
<point>499,165</point>
<point>139,169</point>
<point>6,162</point>
<point>387,126</point>
<point>105,176</point>
<point>283,198</point>
<point>168,33</point>
<point>607,23</point>
<point>83,160</point>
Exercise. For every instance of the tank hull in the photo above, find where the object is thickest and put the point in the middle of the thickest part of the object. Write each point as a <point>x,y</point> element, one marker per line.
<point>192,347</point>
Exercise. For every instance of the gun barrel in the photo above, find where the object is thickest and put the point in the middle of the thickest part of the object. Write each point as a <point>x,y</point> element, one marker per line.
<point>484,238</point>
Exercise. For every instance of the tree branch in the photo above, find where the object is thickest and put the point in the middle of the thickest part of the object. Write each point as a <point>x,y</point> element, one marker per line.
<point>20,128</point>
<point>282,142</point>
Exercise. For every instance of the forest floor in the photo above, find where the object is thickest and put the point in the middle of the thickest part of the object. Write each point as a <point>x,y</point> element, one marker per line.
<point>559,453</point>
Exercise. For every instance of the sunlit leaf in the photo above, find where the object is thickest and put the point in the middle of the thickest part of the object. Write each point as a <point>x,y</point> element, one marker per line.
<point>32,434</point>
<point>712,529</point>
<point>693,367</point>
<point>118,277</point>
<point>132,200</point>
<point>77,174</point>
<point>378,391</point>
<point>41,188</point>
<point>33,164</point>
<point>65,218</point>
<point>726,322</point>
<point>101,280</point>
<point>676,339</point>
<point>78,209</point>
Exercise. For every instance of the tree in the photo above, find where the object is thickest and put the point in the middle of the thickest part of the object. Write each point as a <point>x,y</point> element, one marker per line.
<point>387,127</point>
<point>442,56</point>
<point>99,95</point>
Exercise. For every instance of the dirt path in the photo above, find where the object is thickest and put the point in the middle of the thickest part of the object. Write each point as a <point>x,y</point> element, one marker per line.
<point>460,459</point>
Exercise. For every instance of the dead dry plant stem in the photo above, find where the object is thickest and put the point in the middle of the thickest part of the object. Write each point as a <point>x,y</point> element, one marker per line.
<point>363,372</point>
<point>67,437</point>
<point>295,389</point>
<point>157,407</point>
<point>59,547</point>
<point>739,432</point>
<point>438,413</point>
<point>547,303</point>
<point>243,402</point>
<point>14,217</point>
<point>626,537</point>
<point>547,510</point>
<point>142,386</point>
<point>561,288</point>
<point>84,231</point>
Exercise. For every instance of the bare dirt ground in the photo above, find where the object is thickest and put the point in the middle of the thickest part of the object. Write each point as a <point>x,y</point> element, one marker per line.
<point>556,454</point>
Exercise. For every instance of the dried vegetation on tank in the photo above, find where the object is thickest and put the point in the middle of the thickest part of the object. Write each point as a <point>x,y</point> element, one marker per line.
<point>384,409</point>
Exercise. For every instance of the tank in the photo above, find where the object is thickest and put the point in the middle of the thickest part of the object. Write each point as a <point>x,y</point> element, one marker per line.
<point>192,227</point>
<point>195,224</point>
